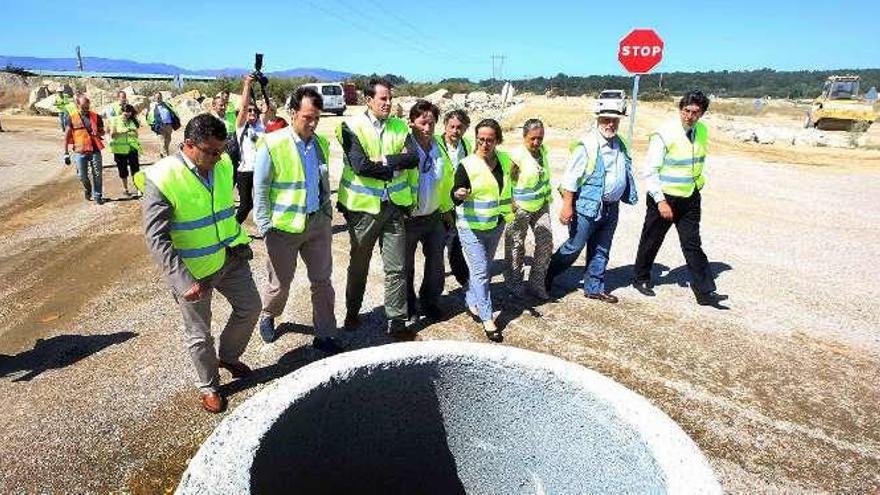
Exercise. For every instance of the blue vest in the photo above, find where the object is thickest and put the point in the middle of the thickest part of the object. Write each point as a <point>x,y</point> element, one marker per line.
<point>588,199</point>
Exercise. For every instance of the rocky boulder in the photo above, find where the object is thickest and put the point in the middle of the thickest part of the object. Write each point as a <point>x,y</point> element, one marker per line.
<point>46,106</point>
<point>37,94</point>
<point>439,96</point>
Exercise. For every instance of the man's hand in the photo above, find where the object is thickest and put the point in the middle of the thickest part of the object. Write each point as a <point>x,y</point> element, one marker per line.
<point>461,193</point>
<point>194,293</point>
<point>566,213</point>
<point>665,210</point>
<point>249,80</point>
<point>66,158</point>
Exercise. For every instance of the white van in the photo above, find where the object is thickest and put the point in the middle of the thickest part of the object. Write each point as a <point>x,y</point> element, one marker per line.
<point>334,98</point>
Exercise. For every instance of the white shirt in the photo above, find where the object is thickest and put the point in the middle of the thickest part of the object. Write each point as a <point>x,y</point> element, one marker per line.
<point>615,168</point>
<point>249,144</point>
<point>430,174</point>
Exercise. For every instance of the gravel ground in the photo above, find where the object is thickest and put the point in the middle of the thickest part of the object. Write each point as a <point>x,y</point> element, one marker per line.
<point>780,390</point>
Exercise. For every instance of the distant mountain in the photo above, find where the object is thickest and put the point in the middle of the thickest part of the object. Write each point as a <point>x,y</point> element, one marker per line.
<point>98,64</point>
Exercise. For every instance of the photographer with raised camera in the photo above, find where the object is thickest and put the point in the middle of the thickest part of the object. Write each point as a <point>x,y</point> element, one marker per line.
<point>248,129</point>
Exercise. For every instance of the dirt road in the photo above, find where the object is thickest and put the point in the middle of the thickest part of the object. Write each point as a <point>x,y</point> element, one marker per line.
<point>780,391</point>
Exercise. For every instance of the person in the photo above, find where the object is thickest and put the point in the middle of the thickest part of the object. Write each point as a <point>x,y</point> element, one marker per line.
<point>248,129</point>
<point>531,191</point>
<point>425,225</point>
<point>374,197</point>
<point>163,120</point>
<point>482,192</point>
<point>193,236</point>
<point>271,120</point>
<point>219,106</point>
<point>65,105</point>
<point>293,213</point>
<point>230,111</point>
<point>115,109</point>
<point>673,179</point>
<point>125,145</point>
<point>598,176</point>
<point>453,148</point>
<point>85,133</point>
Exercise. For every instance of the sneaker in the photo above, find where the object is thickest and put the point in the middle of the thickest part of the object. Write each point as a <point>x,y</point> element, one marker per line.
<point>328,345</point>
<point>267,329</point>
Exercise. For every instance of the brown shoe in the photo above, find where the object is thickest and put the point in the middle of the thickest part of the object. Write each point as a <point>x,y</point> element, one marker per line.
<point>604,297</point>
<point>238,370</point>
<point>213,403</point>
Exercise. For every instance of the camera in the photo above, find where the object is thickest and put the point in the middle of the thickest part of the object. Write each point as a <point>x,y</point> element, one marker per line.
<point>258,70</point>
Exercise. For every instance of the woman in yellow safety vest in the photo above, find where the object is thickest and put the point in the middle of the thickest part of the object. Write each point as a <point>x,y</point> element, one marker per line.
<point>482,193</point>
<point>125,145</point>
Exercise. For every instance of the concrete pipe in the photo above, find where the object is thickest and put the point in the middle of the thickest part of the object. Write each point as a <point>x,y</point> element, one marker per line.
<point>447,417</point>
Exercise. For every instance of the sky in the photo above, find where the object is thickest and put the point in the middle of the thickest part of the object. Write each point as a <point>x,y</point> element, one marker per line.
<point>429,41</point>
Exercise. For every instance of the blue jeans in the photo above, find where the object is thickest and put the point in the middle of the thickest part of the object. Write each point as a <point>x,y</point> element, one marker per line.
<point>479,248</point>
<point>90,165</point>
<point>596,236</point>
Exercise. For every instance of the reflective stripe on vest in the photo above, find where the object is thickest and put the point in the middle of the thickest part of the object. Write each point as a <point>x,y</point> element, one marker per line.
<point>287,193</point>
<point>682,169</point>
<point>485,204</point>
<point>126,138</point>
<point>532,188</point>
<point>83,140</point>
<point>358,193</point>
<point>202,220</point>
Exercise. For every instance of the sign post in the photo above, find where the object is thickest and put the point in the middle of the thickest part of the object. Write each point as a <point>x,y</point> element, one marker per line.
<point>639,52</point>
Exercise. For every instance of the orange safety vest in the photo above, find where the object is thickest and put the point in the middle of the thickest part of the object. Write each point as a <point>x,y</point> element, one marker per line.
<point>83,140</point>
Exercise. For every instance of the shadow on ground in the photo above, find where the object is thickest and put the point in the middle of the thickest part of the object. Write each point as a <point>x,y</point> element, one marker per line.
<point>56,353</point>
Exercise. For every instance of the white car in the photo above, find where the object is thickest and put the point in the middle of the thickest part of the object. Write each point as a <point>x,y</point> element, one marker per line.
<point>333,95</point>
<point>611,99</point>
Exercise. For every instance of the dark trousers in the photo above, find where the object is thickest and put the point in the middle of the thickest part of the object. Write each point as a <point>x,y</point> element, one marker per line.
<point>430,232</point>
<point>365,229</point>
<point>457,263</point>
<point>596,236</point>
<point>245,181</point>
<point>127,164</point>
<point>686,217</point>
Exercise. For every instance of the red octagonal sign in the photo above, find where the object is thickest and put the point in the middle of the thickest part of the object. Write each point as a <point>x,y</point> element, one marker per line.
<point>640,51</point>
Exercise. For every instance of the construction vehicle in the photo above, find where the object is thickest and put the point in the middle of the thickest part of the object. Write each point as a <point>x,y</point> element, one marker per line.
<point>840,107</point>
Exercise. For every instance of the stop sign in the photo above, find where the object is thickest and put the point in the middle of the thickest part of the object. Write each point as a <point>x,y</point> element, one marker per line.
<point>640,51</point>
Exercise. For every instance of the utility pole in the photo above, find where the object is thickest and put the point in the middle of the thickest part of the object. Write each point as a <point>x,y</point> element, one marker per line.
<point>498,67</point>
<point>79,59</point>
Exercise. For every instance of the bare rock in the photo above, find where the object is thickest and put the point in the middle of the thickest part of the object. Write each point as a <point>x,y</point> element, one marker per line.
<point>764,136</point>
<point>478,97</point>
<point>46,106</point>
<point>438,96</point>
<point>37,94</point>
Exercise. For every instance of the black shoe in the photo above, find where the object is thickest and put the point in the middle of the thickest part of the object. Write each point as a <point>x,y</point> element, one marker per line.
<point>99,200</point>
<point>644,288</point>
<point>328,345</point>
<point>710,298</point>
<point>267,329</point>
<point>548,283</point>
<point>352,322</point>
<point>398,331</point>
<point>87,195</point>
<point>432,312</point>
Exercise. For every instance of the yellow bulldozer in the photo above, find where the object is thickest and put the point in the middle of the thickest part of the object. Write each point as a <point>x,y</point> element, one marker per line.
<point>840,107</point>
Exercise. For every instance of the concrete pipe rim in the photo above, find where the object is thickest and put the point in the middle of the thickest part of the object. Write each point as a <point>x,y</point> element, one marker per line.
<point>683,464</point>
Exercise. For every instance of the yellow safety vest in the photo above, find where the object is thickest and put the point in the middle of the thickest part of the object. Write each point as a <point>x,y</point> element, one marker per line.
<point>287,193</point>
<point>126,138</point>
<point>532,188</point>
<point>682,170</point>
<point>486,203</point>
<point>448,178</point>
<point>203,221</point>
<point>358,193</point>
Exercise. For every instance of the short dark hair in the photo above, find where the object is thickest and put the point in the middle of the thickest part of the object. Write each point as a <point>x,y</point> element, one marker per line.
<point>423,106</point>
<point>495,127</point>
<point>459,114</point>
<point>203,127</point>
<point>694,97</point>
<point>296,98</point>
<point>531,125</point>
<point>370,90</point>
<point>121,92</point>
